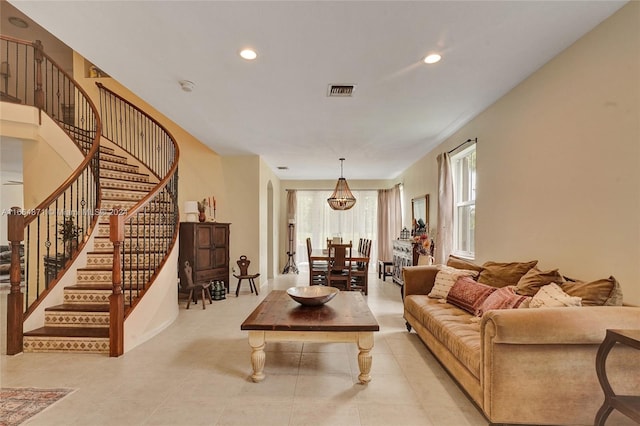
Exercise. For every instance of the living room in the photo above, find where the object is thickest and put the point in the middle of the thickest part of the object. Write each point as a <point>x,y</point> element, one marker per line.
<point>558,173</point>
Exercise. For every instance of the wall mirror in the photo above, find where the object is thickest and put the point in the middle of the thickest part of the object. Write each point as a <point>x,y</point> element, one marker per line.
<point>420,214</point>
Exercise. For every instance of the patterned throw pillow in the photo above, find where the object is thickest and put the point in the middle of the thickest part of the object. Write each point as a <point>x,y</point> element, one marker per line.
<point>445,279</point>
<point>552,296</point>
<point>503,298</point>
<point>469,295</point>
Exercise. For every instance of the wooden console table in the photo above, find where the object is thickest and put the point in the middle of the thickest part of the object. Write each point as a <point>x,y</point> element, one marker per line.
<point>629,405</point>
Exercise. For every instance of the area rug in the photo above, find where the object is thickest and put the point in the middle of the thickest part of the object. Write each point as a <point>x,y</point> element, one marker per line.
<point>19,404</point>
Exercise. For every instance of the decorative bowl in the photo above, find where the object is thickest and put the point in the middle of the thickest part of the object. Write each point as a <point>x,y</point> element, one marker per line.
<point>313,295</point>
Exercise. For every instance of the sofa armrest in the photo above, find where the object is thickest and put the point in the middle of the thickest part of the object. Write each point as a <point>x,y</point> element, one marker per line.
<point>543,326</point>
<point>418,279</point>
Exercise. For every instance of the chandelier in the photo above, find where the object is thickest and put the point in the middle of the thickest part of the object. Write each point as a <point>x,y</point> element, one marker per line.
<point>342,198</point>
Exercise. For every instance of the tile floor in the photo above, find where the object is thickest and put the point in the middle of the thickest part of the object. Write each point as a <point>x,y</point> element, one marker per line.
<point>197,373</point>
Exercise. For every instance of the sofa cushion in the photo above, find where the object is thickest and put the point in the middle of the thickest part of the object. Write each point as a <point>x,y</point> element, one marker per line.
<point>453,327</point>
<point>468,295</point>
<point>552,296</point>
<point>460,263</point>
<point>498,274</point>
<point>535,279</point>
<point>445,279</point>
<point>604,292</point>
<point>503,298</point>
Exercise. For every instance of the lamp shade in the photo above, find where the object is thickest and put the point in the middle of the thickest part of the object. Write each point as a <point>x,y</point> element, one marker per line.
<point>191,210</point>
<point>342,198</point>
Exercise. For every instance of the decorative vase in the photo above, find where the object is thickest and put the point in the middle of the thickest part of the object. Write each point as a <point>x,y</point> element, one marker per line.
<point>202,217</point>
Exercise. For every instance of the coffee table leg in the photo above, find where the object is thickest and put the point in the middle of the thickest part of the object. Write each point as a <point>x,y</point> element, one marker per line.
<point>256,341</point>
<point>365,344</point>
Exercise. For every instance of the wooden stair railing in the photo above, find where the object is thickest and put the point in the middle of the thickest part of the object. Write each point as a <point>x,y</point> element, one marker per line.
<point>37,80</point>
<point>148,229</point>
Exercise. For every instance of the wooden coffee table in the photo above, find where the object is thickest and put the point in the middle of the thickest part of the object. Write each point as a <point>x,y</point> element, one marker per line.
<point>278,318</point>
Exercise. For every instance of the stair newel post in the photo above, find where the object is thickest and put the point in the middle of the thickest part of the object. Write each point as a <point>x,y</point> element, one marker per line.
<point>38,56</point>
<point>116,300</point>
<point>15,299</point>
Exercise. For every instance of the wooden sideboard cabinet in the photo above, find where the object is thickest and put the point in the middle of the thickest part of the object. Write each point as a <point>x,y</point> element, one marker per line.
<point>404,254</point>
<point>205,246</point>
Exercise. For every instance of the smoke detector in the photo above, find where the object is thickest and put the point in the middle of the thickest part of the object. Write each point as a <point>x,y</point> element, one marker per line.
<point>341,90</point>
<point>187,86</point>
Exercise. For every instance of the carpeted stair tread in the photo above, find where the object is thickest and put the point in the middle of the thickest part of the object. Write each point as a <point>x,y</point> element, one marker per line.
<point>78,307</point>
<point>99,332</point>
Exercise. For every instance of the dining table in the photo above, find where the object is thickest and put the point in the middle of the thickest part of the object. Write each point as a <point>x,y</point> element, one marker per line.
<point>323,255</point>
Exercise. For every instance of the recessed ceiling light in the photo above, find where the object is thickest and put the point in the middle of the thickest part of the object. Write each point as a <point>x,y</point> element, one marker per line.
<point>432,59</point>
<point>18,22</point>
<point>186,85</point>
<point>248,54</point>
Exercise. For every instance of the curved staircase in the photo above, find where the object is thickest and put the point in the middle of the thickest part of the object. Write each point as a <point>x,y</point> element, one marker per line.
<point>81,322</point>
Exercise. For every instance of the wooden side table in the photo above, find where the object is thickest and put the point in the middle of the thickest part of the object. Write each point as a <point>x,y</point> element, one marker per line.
<point>629,405</point>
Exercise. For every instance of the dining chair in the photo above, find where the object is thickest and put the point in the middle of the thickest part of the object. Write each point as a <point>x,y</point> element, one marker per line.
<point>317,268</point>
<point>360,271</point>
<point>339,271</point>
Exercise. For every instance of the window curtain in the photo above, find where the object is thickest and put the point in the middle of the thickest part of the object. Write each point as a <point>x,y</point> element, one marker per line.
<point>316,220</point>
<point>291,206</point>
<point>389,220</point>
<point>444,238</point>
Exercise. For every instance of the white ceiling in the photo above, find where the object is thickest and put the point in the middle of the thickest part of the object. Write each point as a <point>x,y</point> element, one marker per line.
<point>276,106</point>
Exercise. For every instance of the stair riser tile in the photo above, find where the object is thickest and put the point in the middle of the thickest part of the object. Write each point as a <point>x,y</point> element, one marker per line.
<point>90,297</point>
<point>111,174</point>
<point>107,246</point>
<point>75,319</point>
<point>100,277</point>
<point>126,185</point>
<point>106,261</point>
<point>134,231</point>
<point>112,158</point>
<point>119,167</point>
<point>123,194</point>
<point>83,297</point>
<point>66,344</point>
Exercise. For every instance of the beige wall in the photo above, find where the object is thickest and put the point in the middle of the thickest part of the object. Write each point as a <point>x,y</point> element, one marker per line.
<point>242,176</point>
<point>269,220</point>
<point>559,162</point>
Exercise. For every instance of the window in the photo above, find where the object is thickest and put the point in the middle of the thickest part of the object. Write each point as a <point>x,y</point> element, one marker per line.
<point>316,220</point>
<point>463,166</point>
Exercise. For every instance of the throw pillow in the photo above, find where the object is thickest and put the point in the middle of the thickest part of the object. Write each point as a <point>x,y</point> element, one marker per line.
<point>445,279</point>
<point>535,279</point>
<point>502,298</point>
<point>460,263</point>
<point>604,292</point>
<point>468,295</point>
<point>498,274</point>
<point>552,296</point>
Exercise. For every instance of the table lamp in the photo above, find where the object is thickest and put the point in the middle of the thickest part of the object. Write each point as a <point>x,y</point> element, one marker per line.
<point>191,211</point>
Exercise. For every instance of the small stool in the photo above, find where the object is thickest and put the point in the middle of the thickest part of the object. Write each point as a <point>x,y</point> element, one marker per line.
<point>243,264</point>
<point>383,272</point>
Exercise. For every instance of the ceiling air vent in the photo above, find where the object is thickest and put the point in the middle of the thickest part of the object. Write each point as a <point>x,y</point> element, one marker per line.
<point>341,90</point>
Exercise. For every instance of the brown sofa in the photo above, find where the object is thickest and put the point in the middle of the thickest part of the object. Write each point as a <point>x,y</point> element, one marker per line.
<point>525,366</point>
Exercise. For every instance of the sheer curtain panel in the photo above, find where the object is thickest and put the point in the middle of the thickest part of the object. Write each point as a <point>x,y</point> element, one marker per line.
<point>444,238</point>
<point>316,220</point>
